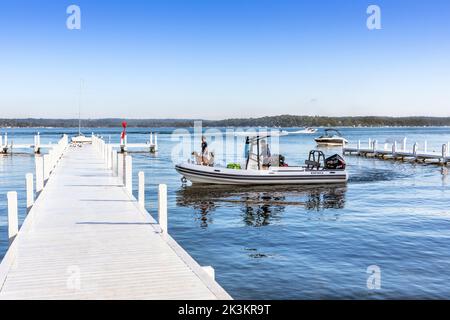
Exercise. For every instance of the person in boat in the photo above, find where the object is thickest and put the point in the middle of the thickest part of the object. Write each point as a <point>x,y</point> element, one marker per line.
<point>265,154</point>
<point>204,151</point>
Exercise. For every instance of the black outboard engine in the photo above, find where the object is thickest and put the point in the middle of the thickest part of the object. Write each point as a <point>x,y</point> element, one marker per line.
<point>335,162</point>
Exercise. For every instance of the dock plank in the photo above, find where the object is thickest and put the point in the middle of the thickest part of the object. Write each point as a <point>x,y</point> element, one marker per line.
<point>87,238</point>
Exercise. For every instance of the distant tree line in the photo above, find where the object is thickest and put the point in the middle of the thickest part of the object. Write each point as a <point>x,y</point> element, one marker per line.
<point>320,121</point>
<point>273,121</point>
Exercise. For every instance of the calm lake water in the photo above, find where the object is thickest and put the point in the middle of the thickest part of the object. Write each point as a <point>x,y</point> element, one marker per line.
<point>299,242</point>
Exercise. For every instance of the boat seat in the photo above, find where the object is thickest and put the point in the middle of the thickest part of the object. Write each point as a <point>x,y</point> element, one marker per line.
<point>312,164</point>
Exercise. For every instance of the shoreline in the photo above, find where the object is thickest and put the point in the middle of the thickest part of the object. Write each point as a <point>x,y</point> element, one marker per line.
<point>237,126</point>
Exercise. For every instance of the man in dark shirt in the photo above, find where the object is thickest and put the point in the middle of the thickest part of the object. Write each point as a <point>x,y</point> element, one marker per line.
<point>204,151</point>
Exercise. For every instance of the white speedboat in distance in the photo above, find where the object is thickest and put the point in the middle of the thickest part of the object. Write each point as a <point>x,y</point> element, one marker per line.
<point>307,130</point>
<point>262,170</point>
<point>332,137</point>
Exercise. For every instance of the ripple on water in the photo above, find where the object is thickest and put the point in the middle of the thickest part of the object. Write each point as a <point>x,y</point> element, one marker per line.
<point>307,242</point>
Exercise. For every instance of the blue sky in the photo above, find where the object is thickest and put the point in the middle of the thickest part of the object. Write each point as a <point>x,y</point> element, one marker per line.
<point>218,59</point>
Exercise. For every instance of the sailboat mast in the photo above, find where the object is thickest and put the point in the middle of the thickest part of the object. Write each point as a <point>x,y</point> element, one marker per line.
<point>79,108</point>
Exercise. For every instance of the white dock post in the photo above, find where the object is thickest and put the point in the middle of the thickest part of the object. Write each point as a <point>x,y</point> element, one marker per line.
<point>375,145</point>
<point>30,190</point>
<point>47,164</point>
<point>210,271</point>
<point>141,191</point>
<point>394,148</point>
<point>111,161</point>
<point>404,144</point>
<point>13,219</point>
<point>370,142</point>
<point>444,151</point>
<point>425,146</point>
<point>359,145</point>
<point>162,207</point>
<point>39,163</point>
<point>151,138</point>
<point>156,142</point>
<point>37,142</point>
<point>102,149</point>
<point>120,166</point>
<point>415,146</point>
<point>108,157</point>
<point>114,162</point>
<point>129,174</point>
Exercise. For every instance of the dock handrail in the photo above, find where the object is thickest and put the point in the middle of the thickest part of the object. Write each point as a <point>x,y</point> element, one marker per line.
<point>107,154</point>
<point>416,152</point>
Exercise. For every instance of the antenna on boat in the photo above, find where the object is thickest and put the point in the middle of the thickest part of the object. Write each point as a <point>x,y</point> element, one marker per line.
<point>79,108</point>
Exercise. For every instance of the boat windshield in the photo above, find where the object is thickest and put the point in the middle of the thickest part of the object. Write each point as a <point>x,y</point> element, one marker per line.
<point>332,132</point>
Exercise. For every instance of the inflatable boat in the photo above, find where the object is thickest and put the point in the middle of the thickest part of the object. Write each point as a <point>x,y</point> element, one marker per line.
<point>264,169</point>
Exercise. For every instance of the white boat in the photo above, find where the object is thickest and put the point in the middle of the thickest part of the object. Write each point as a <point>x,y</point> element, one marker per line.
<point>257,170</point>
<point>307,130</point>
<point>332,137</point>
<point>80,138</point>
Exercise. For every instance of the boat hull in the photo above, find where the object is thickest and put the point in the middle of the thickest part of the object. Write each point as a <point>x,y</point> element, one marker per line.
<point>331,141</point>
<point>81,139</point>
<point>280,176</point>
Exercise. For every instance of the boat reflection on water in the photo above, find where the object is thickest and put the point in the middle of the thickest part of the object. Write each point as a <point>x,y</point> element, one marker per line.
<point>260,205</point>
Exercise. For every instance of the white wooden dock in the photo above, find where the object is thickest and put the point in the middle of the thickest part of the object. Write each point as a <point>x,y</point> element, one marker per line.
<point>87,237</point>
<point>400,151</point>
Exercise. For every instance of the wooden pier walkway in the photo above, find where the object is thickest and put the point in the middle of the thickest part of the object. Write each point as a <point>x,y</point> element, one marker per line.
<point>86,237</point>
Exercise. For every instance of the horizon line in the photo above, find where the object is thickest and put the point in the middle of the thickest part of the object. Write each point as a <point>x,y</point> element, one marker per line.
<point>223,119</point>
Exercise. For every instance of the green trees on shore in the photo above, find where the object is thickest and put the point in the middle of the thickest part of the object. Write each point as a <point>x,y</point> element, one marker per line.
<point>273,121</point>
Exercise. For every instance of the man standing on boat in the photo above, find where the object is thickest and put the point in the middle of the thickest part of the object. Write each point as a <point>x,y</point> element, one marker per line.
<point>204,151</point>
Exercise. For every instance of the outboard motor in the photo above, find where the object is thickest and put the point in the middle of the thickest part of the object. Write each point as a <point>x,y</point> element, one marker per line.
<point>335,162</point>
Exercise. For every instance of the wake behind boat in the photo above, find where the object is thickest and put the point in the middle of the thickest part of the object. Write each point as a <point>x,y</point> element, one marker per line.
<point>262,169</point>
<point>307,130</point>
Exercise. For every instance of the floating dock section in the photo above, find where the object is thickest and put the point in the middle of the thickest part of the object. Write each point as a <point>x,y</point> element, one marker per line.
<point>396,151</point>
<point>8,146</point>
